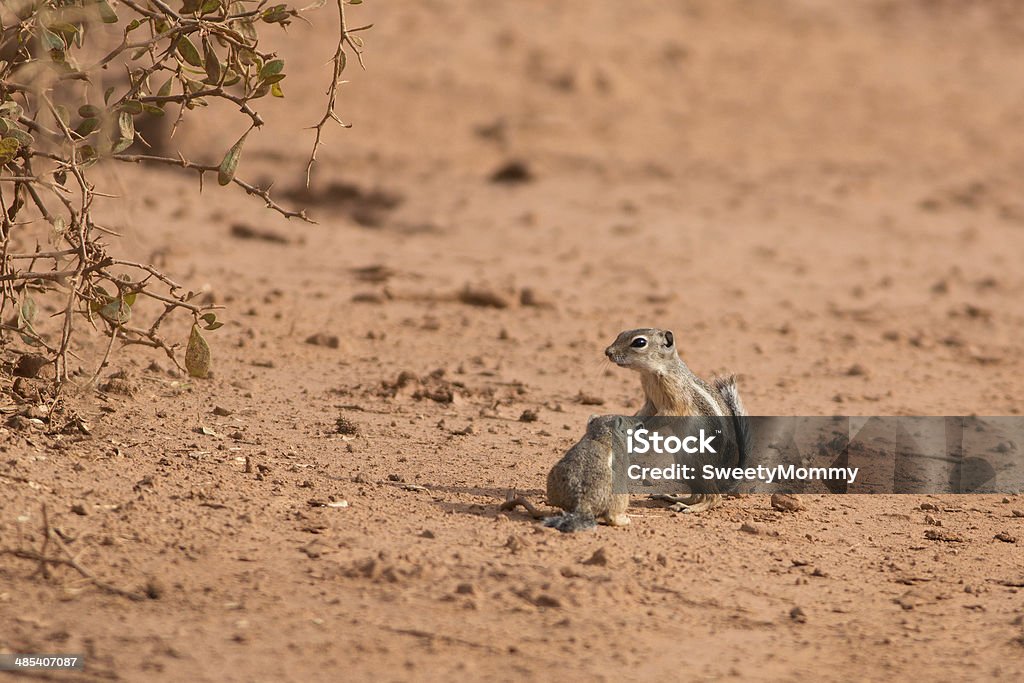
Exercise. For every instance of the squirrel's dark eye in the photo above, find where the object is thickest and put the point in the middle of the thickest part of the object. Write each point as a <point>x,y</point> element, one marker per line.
<point>669,339</point>
<point>638,343</point>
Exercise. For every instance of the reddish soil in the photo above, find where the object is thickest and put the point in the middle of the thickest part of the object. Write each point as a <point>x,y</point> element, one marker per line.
<point>795,188</point>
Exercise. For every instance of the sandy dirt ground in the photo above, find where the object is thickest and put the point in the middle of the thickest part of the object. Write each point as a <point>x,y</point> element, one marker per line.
<point>822,197</point>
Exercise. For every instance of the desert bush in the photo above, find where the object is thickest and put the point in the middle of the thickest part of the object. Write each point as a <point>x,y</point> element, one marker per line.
<point>77,79</point>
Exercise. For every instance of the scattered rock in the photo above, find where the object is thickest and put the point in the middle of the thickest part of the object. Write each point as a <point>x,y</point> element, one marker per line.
<point>599,558</point>
<point>752,528</point>
<point>798,615</point>
<point>79,509</point>
<point>934,521</point>
<point>482,296</point>
<point>19,423</point>
<point>247,232</point>
<point>118,385</point>
<point>345,426</point>
<point>856,370</point>
<point>222,412</point>
<point>30,364</point>
<point>465,589</point>
<point>786,502</point>
<point>368,298</point>
<point>528,297</point>
<point>512,173</point>
<point>928,506</point>
<point>944,536</point>
<point>427,533</point>
<point>545,600</point>
<point>516,544</point>
<point>331,341</point>
<point>154,588</point>
<point>589,399</point>
<point>529,415</point>
<point>376,273</point>
<point>1005,537</point>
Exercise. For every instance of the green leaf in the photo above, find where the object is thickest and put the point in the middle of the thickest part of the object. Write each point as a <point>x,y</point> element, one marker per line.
<point>126,125</point>
<point>132,107</point>
<point>276,78</point>
<point>27,312</point>
<point>53,41</point>
<point>355,2</point>
<point>188,51</point>
<point>226,172</point>
<point>276,91</point>
<point>117,311</point>
<point>271,68</point>
<point>8,149</point>
<point>21,136</point>
<point>197,354</point>
<point>11,110</point>
<point>63,114</point>
<point>106,95</point>
<point>211,321</point>
<point>213,70</point>
<point>87,127</point>
<point>132,25</point>
<point>152,109</point>
<point>209,6</point>
<point>87,111</point>
<point>5,126</point>
<point>107,13</point>
<point>130,298</point>
<point>121,145</point>
<point>165,89</point>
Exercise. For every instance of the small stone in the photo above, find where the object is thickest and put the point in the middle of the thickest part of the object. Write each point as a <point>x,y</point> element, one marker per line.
<point>751,528</point>
<point>345,426</point>
<point>1005,537</point>
<point>465,589</point>
<point>512,172</point>
<point>79,509</point>
<point>30,364</point>
<point>221,412</point>
<point>545,600</point>
<point>599,558</point>
<point>331,341</point>
<point>427,533</point>
<point>529,415</point>
<point>786,502</point>
<point>928,506</point>
<point>798,615</point>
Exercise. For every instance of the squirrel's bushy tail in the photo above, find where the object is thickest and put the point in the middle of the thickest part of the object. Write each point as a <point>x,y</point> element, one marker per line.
<point>726,387</point>
<point>571,521</point>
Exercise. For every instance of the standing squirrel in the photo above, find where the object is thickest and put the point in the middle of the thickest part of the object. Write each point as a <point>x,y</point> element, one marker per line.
<point>672,389</point>
<point>582,483</point>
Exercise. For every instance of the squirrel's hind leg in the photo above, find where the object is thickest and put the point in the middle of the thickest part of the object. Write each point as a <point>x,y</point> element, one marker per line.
<point>696,502</point>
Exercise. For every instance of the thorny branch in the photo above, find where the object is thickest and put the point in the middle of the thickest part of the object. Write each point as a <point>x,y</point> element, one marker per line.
<point>54,131</point>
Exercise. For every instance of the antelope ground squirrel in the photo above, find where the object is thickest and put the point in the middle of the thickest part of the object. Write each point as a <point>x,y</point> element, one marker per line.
<point>672,389</point>
<point>581,483</point>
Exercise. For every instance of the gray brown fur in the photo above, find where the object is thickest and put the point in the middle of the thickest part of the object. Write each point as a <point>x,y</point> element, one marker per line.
<point>672,389</point>
<point>581,483</point>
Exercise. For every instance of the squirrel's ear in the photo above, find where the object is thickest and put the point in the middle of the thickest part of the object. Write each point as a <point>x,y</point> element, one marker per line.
<point>669,339</point>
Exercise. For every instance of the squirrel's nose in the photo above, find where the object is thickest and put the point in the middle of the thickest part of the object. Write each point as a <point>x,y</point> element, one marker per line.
<point>608,352</point>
